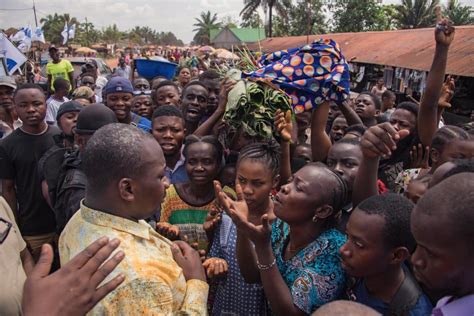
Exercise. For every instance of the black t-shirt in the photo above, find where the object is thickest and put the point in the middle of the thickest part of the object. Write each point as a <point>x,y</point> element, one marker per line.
<point>19,156</point>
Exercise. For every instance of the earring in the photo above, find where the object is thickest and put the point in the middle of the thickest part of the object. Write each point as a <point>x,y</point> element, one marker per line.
<point>315,219</point>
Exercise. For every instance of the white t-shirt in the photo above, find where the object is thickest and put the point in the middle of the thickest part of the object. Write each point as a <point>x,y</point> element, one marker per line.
<point>52,109</point>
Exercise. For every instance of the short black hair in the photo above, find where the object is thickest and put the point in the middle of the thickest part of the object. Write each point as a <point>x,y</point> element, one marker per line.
<point>356,128</point>
<point>266,152</point>
<point>388,94</point>
<point>167,83</point>
<point>28,86</point>
<point>209,75</point>
<point>409,106</point>
<point>168,110</point>
<point>452,201</point>
<point>209,139</point>
<point>396,211</point>
<point>60,83</point>
<point>192,83</point>
<point>350,141</point>
<point>377,101</point>
<point>460,166</point>
<point>446,134</point>
<point>115,151</point>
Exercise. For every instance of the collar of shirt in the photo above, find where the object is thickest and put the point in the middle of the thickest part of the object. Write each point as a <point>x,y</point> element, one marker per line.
<point>178,164</point>
<point>140,229</point>
<point>458,307</point>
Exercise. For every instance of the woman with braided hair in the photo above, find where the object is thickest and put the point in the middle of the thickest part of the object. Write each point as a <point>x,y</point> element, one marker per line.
<point>295,257</point>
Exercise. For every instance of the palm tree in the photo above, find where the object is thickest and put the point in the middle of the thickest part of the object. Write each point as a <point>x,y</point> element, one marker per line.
<point>204,24</point>
<point>416,13</point>
<point>459,14</point>
<point>250,6</point>
<point>52,27</point>
<point>111,34</point>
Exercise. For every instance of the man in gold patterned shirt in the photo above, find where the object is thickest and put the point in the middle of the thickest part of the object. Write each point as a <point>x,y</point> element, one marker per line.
<point>126,184</point>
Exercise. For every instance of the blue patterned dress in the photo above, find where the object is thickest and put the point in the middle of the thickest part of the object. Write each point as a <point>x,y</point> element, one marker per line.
<point>314,275</point>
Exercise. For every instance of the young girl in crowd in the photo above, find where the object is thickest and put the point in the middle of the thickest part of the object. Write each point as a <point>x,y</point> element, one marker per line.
<point>295,256</point>
<point>186,205</point>
<point>258,167</point>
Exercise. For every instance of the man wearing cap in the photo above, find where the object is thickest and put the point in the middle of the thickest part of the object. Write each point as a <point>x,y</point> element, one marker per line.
<point>71,180</point>
<point>58,68</point>
<point>118,94</point>
<point>10,118</point>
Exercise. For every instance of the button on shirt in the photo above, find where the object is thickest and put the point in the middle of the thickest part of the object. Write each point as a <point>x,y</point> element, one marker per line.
<point>154,283</point>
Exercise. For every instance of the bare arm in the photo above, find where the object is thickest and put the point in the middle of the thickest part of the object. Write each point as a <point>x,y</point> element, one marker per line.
<point>247,259</point>
<point>9,194</point>
<point>428,113</point>
<point>320,142</point>
<point>365,183</point>
<point>284,126</point>
<point>71,80</point>
<point>351,116</point>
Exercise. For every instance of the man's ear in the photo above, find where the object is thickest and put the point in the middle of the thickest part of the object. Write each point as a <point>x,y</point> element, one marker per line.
<point>399,255</point>
<point>377,112</point>
<point>126,189</point>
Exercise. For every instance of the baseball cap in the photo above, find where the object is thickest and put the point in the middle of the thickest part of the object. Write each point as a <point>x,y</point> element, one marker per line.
<point>118,84</point>
<point>52,47</point>
<point>93,117</point>
<point>7,81</point>
<point>69,106</point>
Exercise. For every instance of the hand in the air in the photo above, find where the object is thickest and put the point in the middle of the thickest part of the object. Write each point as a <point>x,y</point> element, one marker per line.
<point>284,124</point>
<point>381,140</point>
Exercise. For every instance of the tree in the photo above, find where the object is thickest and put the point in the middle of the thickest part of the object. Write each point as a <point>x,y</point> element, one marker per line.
<point>307,17</point>
<point>250,6</point>
<point>229,21</point>
<point>458,14</point>
<point>86,34</point>
<point>357,15</point>
<point>111,34</point>
<point>414,14</point>
<point>204,24</point>
<point>252,21</point>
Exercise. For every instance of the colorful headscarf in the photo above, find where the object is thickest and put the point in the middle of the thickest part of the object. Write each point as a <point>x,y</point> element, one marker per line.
<point>310,74</point>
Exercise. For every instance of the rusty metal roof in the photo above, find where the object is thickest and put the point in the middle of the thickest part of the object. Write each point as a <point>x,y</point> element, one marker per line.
<point>411,49</point>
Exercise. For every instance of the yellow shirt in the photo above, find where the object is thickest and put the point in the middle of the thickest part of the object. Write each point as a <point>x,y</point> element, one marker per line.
<point>59,70</point>
<point>154,283</point>
<point>11,268</point>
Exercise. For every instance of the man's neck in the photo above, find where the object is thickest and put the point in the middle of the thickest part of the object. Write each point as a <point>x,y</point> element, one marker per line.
<point>369,122</point>
<point>107,205</point>
<point>385,285</point>
<point>58,97</point>
<point>171,161</point>
<point>34,129</point>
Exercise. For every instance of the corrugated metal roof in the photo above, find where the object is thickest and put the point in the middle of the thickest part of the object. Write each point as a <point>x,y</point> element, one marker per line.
<point>411,49</point>
<point>246,35</point>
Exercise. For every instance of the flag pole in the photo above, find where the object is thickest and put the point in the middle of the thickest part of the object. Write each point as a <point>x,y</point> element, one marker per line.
<point>34,11</point>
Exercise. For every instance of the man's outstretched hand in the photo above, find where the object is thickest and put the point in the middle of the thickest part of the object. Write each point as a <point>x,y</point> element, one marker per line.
<point>73,289</point>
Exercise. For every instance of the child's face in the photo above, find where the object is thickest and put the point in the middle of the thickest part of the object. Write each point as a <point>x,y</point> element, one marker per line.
<point>345,160</point>
<point>256,181</point>
<point>201,163</point>
<point>441,261</point>
<point>415,190</point>
<point>338,129</point>
<point>303,152</point>
<point>365,106</point>
<point>227,177</point>
<point>364,253</point>
<point>297,201</point>
<point>167,95</point>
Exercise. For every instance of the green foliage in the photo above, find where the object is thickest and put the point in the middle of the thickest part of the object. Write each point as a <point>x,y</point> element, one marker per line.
<point>229,21</point>
<point>251,6</point>
<point>360,16</point>
<point>458,13</point>
<point>414,14</point>
<point>252,21</point>
<point>204,24</point>
<point>53,25</point>
<point>307,17</point>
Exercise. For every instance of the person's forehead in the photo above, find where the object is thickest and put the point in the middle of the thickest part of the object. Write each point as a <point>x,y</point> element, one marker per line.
<point>6,89</point>
<point>403,115</point>
<point>367,226</point>
<point>168,120</point>
<point>167,89</point>
<point>142,98</point>
<point>31,93</point>
<point>201,148</point>
<point>195,89</point>
<point>340,121</point>
<point>211,83</point>
<point>119,94</point>
<point>345,151</point>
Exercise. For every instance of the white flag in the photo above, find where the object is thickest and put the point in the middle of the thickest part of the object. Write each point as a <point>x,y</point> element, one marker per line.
<point>25,43</point>
<point>18,36</point>
<point>38,35</point>
<point>72,31</point>
<point>13,56</point>
<point>68,32</point>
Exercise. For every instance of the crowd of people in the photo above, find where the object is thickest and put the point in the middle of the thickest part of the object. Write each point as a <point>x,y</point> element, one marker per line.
<point>135,197</point>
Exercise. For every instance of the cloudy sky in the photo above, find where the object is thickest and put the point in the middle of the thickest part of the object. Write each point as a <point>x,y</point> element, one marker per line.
<point>162,15</point>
